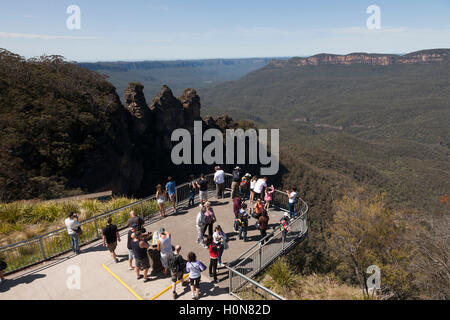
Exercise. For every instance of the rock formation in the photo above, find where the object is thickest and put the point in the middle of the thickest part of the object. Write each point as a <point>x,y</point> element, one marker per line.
<point>425,57</point>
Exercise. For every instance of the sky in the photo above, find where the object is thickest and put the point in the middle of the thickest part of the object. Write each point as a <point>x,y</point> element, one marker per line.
<point>199,29</point>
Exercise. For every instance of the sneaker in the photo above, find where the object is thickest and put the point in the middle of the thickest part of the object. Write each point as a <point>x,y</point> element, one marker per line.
<point>117,260</point>
<point>140,277</point>
<point>147,280</point>
<point>216,281</point>
<point>174,295</point>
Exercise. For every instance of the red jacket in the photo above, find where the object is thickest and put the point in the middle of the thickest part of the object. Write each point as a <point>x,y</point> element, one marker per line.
<point>213,251</point>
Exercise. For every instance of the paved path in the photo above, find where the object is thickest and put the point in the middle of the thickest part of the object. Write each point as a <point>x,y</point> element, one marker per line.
<point>101,278</point>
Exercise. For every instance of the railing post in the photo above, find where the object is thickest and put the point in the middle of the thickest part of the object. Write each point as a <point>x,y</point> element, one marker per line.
<point>42,249</point>
<point>96,228</point>
<point>230,275</point>
<point>142,211</point>
<point>260,256</point>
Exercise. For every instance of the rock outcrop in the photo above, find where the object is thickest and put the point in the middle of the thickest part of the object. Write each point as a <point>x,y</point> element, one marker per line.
<point>419,57</point>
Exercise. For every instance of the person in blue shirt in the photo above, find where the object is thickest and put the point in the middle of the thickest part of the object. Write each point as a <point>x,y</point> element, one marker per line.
<point>171,191</point>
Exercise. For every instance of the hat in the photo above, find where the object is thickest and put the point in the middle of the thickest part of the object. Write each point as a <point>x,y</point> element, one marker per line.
<point>248,175</point>
<point>286,214</point>
<point>162,230</point>
<point>237,168</point>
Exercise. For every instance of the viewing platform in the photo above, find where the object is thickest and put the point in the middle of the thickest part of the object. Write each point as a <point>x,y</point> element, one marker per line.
<point>102,278</point>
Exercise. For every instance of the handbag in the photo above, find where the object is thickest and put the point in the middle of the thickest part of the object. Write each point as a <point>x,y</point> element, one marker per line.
<point>79,231</point>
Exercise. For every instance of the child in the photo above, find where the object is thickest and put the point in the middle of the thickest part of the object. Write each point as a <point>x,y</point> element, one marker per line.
<point>268,197</point>
<point>243,222</point>
<point>284,225</point>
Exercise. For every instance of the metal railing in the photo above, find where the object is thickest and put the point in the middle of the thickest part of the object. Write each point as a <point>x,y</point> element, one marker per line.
<point>42,248</point>
<point>255,259</point>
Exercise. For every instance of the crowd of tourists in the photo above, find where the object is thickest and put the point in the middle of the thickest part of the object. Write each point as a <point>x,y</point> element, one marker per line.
<point>252,198</point>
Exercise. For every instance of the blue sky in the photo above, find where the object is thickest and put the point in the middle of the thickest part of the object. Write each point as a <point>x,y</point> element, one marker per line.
<point>194,29</point>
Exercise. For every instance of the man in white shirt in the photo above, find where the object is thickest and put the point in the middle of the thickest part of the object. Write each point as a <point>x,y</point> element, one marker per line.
<point>72,226</point>
<point>292,197</point>
<point>259,186</point>
<point>219,179</point>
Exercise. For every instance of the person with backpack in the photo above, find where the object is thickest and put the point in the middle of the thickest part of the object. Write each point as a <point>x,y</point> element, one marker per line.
<point>258,209</point>
<point>195,268</point>
<point>244,186</point>
<point>140,247</point>
<point>192,187</point>
<point>176,266</point>
<point>213,251</point>
<point>263,224</point>
<point>236,180</point>
<point>237,204</point>
<point>74,230</point>
<point>210,218</point>
<point>243,222</point>
<point>284,226</point>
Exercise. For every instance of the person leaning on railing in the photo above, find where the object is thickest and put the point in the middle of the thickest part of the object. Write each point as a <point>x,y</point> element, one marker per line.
<point>292,197</point>
<point>73,229</point>
<point>219,179</point>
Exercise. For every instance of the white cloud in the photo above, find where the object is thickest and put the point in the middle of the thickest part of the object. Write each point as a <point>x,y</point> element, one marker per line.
<point>12,35</point>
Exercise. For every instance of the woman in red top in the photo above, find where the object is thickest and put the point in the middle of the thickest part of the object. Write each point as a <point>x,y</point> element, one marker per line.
<point>213,254</point>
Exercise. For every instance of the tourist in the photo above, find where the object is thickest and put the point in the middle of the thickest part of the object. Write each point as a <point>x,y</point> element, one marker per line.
<point>213,255</point>
<point>268,197</point>
<point>171,191</point>
<point>140,247</point>
<point>236,180</point>
<point>110,237</point>
<point>202,185</point>
<point>292,198</point>
<point>260,184</point>
<point>284,226</point>
<point>164,246</point>
<point>263,224</point>
<point>244,186</point>
<point>219,179</point>
<point>3,266</point>
<point>220,239</point>
<point>210,218</point>
<point>161,200</point>
<point>200,223</point>
<point>258,208</point>
<point>243,222</point>
<point>176,266</point>
<point>131,233</point>
<point>192,187</point>
<point>134,219</point>
<point>252,188</point>
<point>74,230</point>
<point>237,204</point>
<point>195,268</point>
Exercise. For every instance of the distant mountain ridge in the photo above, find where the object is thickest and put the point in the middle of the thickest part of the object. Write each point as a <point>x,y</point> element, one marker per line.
<point>418,57</point>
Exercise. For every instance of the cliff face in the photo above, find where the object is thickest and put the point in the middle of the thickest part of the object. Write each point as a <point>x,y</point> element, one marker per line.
<point>420,57</point>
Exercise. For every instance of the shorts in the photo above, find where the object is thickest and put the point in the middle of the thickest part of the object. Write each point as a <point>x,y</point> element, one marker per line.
<point>143,263</point>
<point>165,260</point>
<point>176,276</point>
<point>203,195</point>
<point>195,282</point>
<point>160,201</point>
<point>112,246</point>
<point>172,197</point>
<point>130,254</point>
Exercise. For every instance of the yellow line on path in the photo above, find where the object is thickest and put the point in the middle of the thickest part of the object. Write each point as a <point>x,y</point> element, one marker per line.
<point>168,288</point>
<point>123,283</point>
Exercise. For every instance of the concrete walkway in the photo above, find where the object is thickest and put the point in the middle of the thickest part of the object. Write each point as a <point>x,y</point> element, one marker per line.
<point>101,278</point>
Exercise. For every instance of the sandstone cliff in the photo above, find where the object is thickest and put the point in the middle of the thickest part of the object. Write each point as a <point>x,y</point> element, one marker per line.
<point>419,57</point>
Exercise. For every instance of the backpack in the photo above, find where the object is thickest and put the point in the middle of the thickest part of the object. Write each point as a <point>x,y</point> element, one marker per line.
<point>284,225</point>
<point>173,263</point>
<point>243,184</point>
